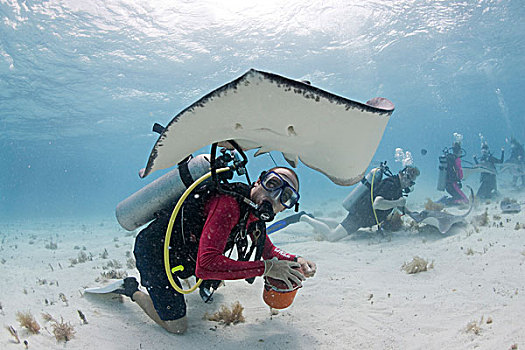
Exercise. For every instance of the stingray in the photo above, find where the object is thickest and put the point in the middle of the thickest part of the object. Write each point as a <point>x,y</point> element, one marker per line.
<point>515,169</point>
<point>509,206</point>
<point>478,169</point>
<point>268,112</point>
<point>439,219</point>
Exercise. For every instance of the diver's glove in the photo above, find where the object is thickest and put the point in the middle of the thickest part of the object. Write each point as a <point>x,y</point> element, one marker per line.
<point>284,270</point>
<point>307,267</point>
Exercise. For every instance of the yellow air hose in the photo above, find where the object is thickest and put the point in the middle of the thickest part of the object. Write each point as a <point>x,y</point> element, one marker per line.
<point>167,267</point>
<point>372,197</point>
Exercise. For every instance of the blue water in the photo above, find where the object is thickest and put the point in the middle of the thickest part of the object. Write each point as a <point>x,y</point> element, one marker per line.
<point>81,83</point>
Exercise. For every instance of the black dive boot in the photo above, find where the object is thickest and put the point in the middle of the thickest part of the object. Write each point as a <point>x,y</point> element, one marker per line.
<point>128,287</point>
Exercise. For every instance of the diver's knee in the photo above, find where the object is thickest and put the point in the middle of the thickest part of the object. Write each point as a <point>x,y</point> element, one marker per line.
<point>177,326</point>
<point>337,234</point>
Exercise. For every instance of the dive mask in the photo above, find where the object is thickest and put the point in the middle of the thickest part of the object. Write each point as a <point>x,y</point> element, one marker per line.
<point>410,180</point>
<point>279,189</point>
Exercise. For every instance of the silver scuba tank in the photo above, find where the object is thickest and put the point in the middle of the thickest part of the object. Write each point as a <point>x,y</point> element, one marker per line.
<point>442,175</point>
<point>140,208</point>
<point>362,188</point>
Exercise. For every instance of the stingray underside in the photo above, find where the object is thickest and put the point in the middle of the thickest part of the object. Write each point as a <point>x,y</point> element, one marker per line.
<point>268,112</point>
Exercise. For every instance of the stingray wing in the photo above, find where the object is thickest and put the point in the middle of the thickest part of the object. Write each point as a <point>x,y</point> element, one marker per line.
<point>268,112</point>
<point>478,169</point>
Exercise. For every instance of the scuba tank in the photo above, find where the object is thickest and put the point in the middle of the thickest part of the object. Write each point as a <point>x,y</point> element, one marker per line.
<point>442,175</point>
<point>141,207</point>
<point>365,185</point>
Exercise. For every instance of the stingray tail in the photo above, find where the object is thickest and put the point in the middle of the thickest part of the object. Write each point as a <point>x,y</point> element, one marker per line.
<point>471,201</point>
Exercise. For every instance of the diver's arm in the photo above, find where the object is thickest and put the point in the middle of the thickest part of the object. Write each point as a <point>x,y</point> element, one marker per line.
<point>222,215</point>
<point>271,251</point>
<point>384,204</point>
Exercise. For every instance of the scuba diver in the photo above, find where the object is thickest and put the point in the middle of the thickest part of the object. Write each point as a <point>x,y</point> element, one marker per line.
<point>216,218</point>
<point>488,185</point>
<point>451,173</point>
<point>363,211</point>
<point>517,158</point>
<point>388,194</point>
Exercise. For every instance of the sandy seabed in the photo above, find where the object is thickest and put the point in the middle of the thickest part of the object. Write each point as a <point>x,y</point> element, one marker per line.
<point>473,297</point>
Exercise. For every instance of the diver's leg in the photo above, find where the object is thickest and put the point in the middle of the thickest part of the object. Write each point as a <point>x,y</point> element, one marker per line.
<point>177,326</point>
<point>460,196</point>
<point>329,234</point>
<point>484,190</point>
<point>332,223</point>
<point>457,195</point>
<point>342,230</point>
<point>450,189</point>
<point>317,224</point>
<point>493,186</point>
<point>162,304</point>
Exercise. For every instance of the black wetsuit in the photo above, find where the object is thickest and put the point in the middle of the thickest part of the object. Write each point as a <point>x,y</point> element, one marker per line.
<point>361,213</point>
<point>488,185</point>
<point>517,156</point>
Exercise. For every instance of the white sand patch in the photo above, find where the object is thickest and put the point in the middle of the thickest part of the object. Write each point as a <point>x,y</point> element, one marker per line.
<point>359,299</point>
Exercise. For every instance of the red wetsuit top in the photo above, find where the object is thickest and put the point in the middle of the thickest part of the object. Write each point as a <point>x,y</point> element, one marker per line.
<point>459,168</point>
<point>223,213</point>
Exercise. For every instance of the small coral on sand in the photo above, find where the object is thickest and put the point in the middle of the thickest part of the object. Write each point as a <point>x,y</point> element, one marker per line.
<point>27,321</point>
<point>63,331</point>
<point>226,315</point>
<point>482,219</point>
<point>433,206</point>
<point>417,265</point>
<point>474,327</point>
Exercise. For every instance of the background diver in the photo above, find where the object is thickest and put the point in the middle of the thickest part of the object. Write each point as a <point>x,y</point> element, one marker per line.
<point>451,173</point>
<point>488,187</point>
<point>388,193</point>
<point>219,223</point>
<point>517,160</point>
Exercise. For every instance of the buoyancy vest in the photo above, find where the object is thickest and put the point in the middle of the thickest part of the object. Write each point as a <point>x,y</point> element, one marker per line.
<point>190,222</point>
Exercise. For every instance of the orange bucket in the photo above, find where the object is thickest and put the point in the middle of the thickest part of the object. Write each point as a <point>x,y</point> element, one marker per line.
<point>275,296</point>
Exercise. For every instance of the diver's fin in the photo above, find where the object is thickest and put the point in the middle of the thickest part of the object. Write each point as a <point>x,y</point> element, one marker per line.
<point>110,288</point>
<point>292,219</point>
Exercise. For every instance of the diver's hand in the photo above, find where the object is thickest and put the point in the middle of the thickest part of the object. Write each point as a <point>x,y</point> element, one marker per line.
<point>283,270</point>
<point>307,267</point>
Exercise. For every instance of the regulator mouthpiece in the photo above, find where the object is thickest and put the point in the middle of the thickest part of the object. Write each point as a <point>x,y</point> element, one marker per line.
<point>265,211</point>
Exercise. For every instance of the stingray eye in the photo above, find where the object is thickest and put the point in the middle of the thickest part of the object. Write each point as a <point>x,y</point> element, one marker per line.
<point>291,131</point>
